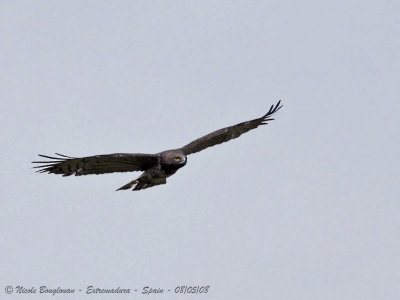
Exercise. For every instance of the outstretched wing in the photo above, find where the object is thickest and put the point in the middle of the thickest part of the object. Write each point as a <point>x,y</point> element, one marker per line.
<point>228,133</point>
<point>98,164</point>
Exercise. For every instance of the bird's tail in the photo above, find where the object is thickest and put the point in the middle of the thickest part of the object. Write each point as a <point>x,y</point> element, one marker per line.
<point>142,183</point>
<point>128,185</point>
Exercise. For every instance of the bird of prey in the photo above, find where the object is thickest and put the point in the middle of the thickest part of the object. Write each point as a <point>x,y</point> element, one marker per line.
<point>156,167</point>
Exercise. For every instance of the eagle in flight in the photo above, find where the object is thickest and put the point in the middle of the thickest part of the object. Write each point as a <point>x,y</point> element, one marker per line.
<point>156,167</point>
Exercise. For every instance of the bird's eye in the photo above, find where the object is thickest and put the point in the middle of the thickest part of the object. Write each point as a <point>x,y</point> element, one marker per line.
<point>177,158</point>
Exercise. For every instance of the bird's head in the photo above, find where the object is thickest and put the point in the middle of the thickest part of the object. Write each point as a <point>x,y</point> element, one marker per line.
<point>173,157</point>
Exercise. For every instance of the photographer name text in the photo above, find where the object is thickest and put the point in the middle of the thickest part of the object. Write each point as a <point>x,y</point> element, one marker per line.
<point>91,289</point>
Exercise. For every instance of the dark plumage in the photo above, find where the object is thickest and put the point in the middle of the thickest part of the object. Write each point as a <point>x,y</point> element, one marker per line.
<point>156,167</point>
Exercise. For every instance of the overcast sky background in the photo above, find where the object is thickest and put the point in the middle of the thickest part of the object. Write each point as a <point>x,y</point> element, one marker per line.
<point>306,207</point>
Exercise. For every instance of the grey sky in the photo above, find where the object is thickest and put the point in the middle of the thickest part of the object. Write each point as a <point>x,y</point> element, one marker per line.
<point>304,208</point>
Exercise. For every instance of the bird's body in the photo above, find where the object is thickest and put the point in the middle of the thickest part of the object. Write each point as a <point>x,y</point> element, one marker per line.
<point>156,167</point>
<point>170,161</point>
